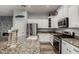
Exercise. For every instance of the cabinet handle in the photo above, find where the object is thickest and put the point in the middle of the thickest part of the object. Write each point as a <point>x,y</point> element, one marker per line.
<point>75,50</point>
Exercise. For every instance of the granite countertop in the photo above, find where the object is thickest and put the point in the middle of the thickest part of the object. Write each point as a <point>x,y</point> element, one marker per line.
<point>55,33</point>
<point>72,41</point>
<point>3,38</point>
<point>23,46</point>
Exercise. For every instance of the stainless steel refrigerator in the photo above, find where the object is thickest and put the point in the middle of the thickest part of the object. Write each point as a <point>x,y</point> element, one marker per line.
<point>32,29</point>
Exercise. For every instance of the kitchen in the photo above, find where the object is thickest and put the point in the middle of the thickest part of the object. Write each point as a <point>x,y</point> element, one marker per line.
<point>39,29</point>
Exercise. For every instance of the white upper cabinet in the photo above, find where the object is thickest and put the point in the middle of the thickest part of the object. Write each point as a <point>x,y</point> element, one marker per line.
<point>60,13</point>
<point>74,16</point>
<point>69,11</point>
<point>54,22</point>
<point>65,11</point>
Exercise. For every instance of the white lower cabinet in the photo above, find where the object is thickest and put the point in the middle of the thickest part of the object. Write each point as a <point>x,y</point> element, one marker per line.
<point>64,47</point>
<point>44,37</point>
<point>69,49</point>
<point>51,39</point>
<point>75,50</point>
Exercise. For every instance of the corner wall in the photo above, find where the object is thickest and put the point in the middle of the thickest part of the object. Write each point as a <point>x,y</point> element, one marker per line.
<point>20,23</point>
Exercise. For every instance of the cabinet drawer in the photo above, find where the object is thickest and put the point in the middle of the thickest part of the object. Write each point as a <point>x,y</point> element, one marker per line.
<point>66,48</point>
<point>64,43</point>
<point>75,50</point>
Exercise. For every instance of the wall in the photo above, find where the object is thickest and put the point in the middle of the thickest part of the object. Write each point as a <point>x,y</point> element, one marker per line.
<point>42,23</point>
<point>40,19</point>
<point>37,16</point>
<point>5,24</point>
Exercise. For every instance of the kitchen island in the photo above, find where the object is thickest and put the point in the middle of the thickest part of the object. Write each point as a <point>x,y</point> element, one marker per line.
<point>23,46</point>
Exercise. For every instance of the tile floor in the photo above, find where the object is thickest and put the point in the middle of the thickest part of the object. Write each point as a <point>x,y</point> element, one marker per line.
<point>46,48</point>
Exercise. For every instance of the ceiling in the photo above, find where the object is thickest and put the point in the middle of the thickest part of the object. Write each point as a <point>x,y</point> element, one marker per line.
<point>7,10</point>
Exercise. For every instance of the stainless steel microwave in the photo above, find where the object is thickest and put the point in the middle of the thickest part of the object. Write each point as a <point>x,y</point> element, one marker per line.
<point>63,23</point>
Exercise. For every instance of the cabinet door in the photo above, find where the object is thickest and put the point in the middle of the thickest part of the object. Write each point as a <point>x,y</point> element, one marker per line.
<point>69,49</point>
<point>55,22</point>
<point>64,48</point>
<point>75,50</point>
<point>73,16</point>
<point>65,11</point>
<point>51,39</point>
<point>72,49</point>
<point>52,22</point>
<point>60,13</point>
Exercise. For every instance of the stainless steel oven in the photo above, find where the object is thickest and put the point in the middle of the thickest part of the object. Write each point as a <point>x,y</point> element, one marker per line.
<point>63,23</point>
<point>57,44</point>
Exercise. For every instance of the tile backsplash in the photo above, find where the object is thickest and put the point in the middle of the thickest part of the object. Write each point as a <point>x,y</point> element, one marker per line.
<point>73,30</point>
<point>76,30</point>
